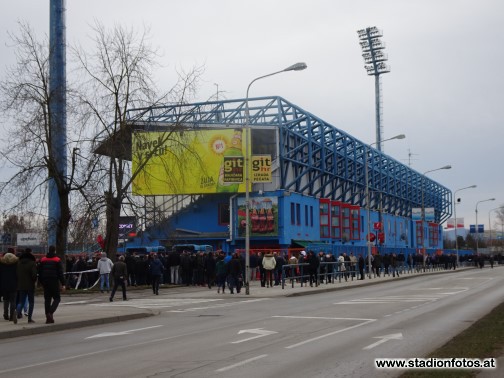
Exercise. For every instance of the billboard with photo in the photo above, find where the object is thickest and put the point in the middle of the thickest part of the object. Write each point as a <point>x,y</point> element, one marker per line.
<point>189,162</point>
<point>263,216</point>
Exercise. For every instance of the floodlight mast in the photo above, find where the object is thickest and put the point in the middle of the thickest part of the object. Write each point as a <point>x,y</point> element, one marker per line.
<point>372,52</point>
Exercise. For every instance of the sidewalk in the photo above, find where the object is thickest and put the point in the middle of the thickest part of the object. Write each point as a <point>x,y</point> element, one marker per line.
<point>75,310</point>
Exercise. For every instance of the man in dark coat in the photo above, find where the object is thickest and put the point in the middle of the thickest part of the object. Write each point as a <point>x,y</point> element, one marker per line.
<point>156,268</point>
<point>314,267</point>
<point>234,271</point>
<point>8,275</point>
<point>51,276</point>
<point>27,277</point>
<point>174,264</point>
<point>210,269</point>
<point>120,275</point>
<point>362,263</point>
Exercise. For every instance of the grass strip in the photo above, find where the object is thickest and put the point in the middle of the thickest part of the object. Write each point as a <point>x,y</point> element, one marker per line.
<point>483,339</point>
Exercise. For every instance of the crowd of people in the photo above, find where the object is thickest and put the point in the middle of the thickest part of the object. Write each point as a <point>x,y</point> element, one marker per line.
<point>20,272</point>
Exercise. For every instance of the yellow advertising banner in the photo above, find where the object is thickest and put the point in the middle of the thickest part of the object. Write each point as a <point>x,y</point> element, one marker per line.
<point>189,162</point>
<point>261,168</point>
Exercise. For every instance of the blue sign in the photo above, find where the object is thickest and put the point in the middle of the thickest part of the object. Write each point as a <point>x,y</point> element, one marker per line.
<point>472,229</point>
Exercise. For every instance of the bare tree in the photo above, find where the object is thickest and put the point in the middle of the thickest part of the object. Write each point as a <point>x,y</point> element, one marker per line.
<point>120,77</point>
<point>500,215</point>
<point>25,98</point>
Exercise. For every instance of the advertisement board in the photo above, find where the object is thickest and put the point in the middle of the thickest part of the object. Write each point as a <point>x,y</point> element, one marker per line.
<point>429,214</point>
<point>261,168</point>
<point>28,239</point>
<point>189,162</point>
<point>126,225</point>
<point>263,216</point>
<point>416,213</point>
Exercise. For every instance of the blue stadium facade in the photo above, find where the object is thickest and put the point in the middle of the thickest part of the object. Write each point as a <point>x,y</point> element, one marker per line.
<point>317,197</point>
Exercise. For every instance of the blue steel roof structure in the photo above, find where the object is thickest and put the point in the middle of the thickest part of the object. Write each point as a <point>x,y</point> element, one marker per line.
<point>315,158</point>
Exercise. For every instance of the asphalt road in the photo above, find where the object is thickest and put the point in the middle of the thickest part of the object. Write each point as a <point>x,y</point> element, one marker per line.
<point>336,334</point>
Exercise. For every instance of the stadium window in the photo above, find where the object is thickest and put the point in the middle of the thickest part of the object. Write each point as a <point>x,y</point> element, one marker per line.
<point>324,218</point>
<point>298,214</point>
<point>293,213</point>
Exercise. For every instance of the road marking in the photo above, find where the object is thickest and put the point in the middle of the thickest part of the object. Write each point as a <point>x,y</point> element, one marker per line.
<point>155,303</point>
<point>72,303</point>
<point>367,321</point>
<point>100,352</point>
<point>258,331</point>
<point>240,363</point>
<point>219,305</point>
<point>385,338</point>
<point>317,317</point>
<point>396,299</point>
<point>109,334</point>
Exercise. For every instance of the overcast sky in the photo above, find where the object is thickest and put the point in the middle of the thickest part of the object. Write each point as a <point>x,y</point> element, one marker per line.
<point>444,91</point>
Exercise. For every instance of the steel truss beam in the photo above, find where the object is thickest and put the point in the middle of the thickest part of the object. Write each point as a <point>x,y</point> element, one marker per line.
<point>315,158</point>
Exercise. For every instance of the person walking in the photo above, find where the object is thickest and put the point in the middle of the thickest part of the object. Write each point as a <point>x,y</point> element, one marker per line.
<point>51,277</point>
<point>27,277</point>
<point>8,276</point>
<point>119,273</point>
<point>104,267</point>
<point>156,271</point>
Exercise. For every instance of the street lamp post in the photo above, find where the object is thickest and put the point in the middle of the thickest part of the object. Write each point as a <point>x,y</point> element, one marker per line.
<point>294,67</point>
<point>477,233</point>
<point>423,205</point>
<point>455,215</point>
<point>368,206</point>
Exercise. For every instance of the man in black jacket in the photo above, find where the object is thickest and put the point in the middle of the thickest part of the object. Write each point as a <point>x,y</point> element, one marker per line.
<point>120,274</point>
<point>8,278</point>
<point>27,277</point>
<point>51,276</point>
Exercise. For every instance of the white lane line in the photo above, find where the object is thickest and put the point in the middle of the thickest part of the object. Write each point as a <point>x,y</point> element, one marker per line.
<point>317,317</point>
<point>120,333</point>
<point>364,302</point>
<point>219,305</point>
<point>240,363</point>
<point>383,339</point>
<point>331,333</point>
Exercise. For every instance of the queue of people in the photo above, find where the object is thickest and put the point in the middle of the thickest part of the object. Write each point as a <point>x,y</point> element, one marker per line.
<point>18,278</point>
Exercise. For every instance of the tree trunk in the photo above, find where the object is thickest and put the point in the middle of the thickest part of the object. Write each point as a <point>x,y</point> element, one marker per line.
<point>61,232</point>
<point>112,234</point>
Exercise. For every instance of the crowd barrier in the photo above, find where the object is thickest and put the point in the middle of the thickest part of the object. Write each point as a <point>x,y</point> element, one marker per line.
<point>329,272</point>
<point>79,278</point>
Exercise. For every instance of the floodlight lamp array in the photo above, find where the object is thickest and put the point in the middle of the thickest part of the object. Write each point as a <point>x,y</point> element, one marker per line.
<point>377,69</point>
<point>378,56</point>
<point>372,51</point>
<point>372,32</point>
